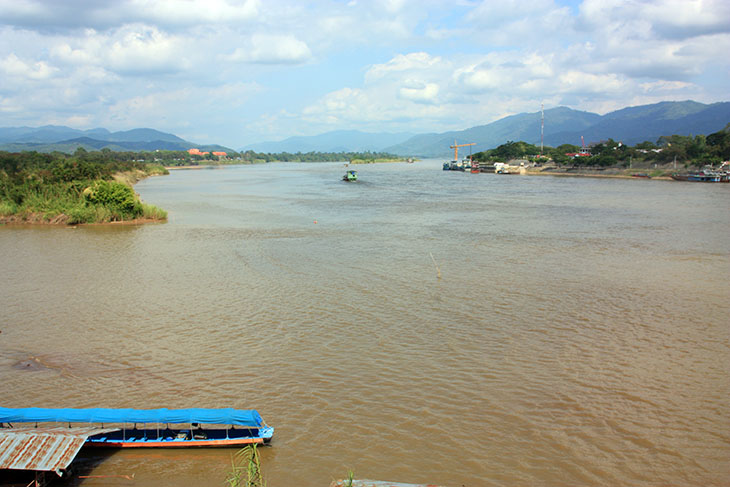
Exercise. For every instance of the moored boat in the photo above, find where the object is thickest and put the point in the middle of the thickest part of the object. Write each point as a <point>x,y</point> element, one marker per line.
<point>145,428</point>
<point>698,177</point>
<point>455,164</point>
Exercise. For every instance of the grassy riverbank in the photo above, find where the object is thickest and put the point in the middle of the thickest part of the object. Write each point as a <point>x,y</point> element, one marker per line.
<point>70,192</point>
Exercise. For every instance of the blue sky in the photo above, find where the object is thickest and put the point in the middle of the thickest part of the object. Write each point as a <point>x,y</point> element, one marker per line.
<point>236,72</point>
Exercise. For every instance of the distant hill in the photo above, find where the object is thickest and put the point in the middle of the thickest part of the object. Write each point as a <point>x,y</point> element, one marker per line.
<point>335,141</point>
<point>564,125</point>
<point>516,127</point>
<point>649,122</point>
<point>65,139</point>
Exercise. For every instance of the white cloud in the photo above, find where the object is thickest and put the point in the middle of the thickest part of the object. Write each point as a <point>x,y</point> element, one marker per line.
<point>139,48</point>
<point>479,80</point>
<point>102,15</point>
<point>668,19</point>
<point>578,82</point>
<point>15,67</point>
<point>131,50</point>
<point>516,22</point>
<point>403,63</point>
<point>272,49</point>
<point>419,92</point>
<point>195,12</point>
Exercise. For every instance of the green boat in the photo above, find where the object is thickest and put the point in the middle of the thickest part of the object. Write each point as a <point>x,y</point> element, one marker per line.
<point>350,176</point>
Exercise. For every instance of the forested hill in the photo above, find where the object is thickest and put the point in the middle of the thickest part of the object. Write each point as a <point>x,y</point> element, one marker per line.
<point>566,126</point>
<point>50,138</point>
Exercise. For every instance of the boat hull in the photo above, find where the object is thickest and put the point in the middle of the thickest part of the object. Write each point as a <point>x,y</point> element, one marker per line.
<point>237,442</point>
<point>697,178</point>
<point>174,438</point>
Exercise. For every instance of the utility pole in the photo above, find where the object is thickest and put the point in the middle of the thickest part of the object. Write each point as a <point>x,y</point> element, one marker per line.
<point>542,126</point>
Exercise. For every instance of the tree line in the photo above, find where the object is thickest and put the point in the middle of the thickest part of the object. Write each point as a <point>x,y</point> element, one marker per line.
<point>698,150</point>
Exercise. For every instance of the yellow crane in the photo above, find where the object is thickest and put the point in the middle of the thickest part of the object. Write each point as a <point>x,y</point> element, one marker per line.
<point>456,149</point>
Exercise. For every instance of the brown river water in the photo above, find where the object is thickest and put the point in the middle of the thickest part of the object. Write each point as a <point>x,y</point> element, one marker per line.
<point>416,326</point>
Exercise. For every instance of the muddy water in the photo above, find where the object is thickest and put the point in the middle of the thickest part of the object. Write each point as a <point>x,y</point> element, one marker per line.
<point>565,332</point>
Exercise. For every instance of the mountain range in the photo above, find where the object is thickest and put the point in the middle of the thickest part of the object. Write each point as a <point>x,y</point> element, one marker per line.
<point>65,139</point>
<point>335,141</point>
<point>562,125</point>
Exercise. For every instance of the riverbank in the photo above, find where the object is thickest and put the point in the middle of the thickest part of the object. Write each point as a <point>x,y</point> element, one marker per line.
<point>99,202</point>
<point>609,173</point>
<point>517,166</point>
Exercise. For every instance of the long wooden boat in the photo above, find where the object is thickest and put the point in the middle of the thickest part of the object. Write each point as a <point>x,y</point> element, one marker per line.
<point>150,428</point>
<point>698,177</point>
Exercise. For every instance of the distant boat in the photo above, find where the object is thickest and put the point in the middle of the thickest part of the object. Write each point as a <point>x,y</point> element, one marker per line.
<point>699,177</point>
<point>350,176</point>
<point>641,175</point>
<point>455,164</point>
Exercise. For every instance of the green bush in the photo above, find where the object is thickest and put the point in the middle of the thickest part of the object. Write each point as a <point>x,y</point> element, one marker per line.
<point>7,208</point>
<point>118,197</point>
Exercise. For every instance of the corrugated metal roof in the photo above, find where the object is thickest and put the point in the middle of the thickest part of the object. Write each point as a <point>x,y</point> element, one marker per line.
<point>42,449</point>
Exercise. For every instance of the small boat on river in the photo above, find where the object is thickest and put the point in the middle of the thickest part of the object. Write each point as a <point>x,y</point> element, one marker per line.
<point>350,176</point>
<point>141,428</point>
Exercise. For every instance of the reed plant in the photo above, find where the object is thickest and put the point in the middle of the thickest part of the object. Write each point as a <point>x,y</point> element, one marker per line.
<point>152,212</point>
<point>246,468</point>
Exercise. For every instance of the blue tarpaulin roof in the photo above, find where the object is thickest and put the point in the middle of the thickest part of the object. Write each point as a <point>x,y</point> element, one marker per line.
<point>243,417</point>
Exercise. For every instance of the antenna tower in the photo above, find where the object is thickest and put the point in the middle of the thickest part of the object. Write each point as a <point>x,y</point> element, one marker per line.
<point>542,126</point>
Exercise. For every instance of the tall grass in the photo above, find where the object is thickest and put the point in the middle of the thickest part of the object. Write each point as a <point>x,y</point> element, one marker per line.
<point>348,481</point>
<point>152,212</point>
<point>246,468</point>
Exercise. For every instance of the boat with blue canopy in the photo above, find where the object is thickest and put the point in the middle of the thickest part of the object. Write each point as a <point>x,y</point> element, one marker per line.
<point>147,428</point>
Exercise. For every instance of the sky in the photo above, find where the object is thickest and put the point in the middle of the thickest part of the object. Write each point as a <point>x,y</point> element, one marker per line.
<point>236,72</point>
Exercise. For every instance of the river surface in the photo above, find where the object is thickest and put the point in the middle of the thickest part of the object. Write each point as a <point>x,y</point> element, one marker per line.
<point>416,326</point>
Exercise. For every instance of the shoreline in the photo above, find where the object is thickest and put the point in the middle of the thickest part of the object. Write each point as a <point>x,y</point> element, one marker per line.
<point>204,166</point>
<point>62,219</point>
<point>593,175</point>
